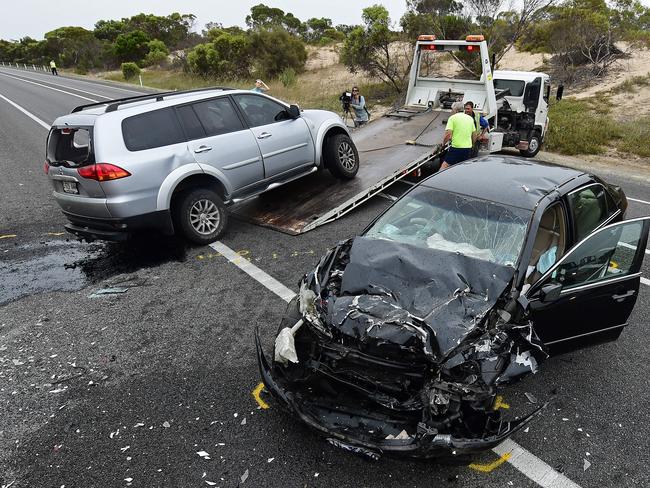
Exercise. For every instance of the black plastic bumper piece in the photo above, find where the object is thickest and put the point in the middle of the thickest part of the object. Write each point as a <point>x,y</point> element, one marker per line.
<point>425,446</point>
<point>118,230</point>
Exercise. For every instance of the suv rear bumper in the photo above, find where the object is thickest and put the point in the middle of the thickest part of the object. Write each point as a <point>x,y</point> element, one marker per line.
<point>93,228</point>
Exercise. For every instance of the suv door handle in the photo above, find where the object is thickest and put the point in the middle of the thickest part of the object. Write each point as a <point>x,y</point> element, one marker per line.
<point>202,149</point>
<point>624,295</point>
<point>264,135</point>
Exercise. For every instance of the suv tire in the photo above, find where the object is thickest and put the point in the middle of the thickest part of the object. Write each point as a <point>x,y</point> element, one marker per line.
<point>200,215</point>
<point>341,156</point>
<point>534,145</point>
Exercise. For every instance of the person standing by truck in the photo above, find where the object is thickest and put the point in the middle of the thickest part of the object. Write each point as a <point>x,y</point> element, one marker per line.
<point>358,104</point>
<point>481,126</point>
<point>53,68</point>
<point>459,131</point>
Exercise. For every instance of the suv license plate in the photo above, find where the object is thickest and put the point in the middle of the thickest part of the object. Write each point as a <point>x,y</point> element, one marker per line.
<point>70,187</point>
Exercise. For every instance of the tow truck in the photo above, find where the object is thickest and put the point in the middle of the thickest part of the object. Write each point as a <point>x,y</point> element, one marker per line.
<point>410,139</point>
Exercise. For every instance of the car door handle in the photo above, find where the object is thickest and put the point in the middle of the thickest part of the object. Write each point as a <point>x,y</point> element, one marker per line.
<point>202,149</point>
<point>624,295</point>
<point>264,135</point>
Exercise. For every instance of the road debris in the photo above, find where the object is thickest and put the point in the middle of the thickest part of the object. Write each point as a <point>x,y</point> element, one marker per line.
<point>203,454</point>
<point>586,465</point>
<point>244,476</point>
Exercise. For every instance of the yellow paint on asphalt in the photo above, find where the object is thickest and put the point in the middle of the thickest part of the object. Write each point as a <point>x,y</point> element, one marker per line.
<point>488,468</point>
<point>256,394</point>
<point>55,234</point>
<point>499,403</point>
<point>7,236</point>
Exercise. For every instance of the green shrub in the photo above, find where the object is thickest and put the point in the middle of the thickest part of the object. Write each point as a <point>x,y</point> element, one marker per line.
<point>154,58</point>
<point>130,70</point>
<point>276,50</point>
<point>288,77</point>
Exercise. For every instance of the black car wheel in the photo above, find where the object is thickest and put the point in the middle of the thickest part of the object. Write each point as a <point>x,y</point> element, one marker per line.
<point>341,156</point>
<point>200,215</point>
<point>534,145</point>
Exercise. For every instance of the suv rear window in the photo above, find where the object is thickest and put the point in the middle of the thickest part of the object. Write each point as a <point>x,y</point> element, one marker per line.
<point>70,145</point>
<point>152,129</point>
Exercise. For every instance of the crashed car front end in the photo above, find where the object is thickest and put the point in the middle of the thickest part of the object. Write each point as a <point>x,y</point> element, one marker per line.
<point>383,353</point>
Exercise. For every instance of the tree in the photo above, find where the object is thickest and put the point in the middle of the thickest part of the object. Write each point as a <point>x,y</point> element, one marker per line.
<point>157,54</point>
<point>368,48</point>
<point>133,46</point>
<point>263,17</point>
<point>171,29</point>
<point>275,50</point>
<point>227,56</point>
<point>73,46</point>
<point>108,30</point>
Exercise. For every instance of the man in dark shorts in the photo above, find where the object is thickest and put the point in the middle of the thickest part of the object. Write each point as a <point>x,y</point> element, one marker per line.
<point>459,130</point>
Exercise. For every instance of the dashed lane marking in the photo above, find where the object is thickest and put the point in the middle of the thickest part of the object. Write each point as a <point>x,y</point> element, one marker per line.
<point>7,236</point>
<point>645,281</point>
<point>488,468</point>
<point>49,87</point>
<point>638,201</point>
<point>526,462</point>
<point>29,114</point>
<point>256,394</point>
<point>254,272</point>
<point>22,77</point>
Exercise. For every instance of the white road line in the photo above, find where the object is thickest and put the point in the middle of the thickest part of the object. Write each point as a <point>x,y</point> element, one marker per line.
<point>78,80</point>
<point>254,272</point>
<point>645,281</point>
<point>49,87</point>
<point>530,465</point>
<point>29,114</point>
<point>637,200</point>
<point>70,88</point>
<point>630,246</point>
<point>533,467</point>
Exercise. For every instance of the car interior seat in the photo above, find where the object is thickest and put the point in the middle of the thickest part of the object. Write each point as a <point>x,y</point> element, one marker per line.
<point>551,232</point>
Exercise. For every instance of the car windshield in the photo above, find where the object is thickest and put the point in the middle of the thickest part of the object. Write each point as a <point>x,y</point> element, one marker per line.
<point>445,221</point>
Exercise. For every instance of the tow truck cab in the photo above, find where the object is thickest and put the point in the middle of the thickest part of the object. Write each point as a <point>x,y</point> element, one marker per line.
<point>514,102</point>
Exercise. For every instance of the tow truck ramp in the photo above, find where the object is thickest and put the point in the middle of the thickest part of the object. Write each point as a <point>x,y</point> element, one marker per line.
<point>389,149</point>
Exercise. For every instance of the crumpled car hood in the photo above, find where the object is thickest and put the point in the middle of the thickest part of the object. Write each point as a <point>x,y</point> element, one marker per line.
<point>399,290</point>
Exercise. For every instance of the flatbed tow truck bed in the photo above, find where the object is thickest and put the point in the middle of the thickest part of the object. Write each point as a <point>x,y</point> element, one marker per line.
<point>319,198</point>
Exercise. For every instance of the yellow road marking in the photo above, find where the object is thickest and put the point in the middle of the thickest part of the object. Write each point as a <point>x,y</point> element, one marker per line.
<point>488,468</point>
<point>499,403</point>
<point>7,236</point>
<point>55,234</point>
<point>256,394</point>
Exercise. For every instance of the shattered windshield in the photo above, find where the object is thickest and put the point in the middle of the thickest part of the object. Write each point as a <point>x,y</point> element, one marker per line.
<point>445,221</point>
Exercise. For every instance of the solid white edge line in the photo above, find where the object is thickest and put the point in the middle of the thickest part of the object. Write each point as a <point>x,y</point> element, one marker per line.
<point>29,114</point>
<point>48,87</point>
<point>630,246</point>
<point>533,467</point>
<point>526,462</point>
<point>638,201</point>
<point>645,281</point>
<point>27,78</point>
<point>253,271</point>
<point>74,79</point>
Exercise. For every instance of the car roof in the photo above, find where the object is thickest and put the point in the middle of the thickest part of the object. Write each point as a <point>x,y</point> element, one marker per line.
<point>508,180</point>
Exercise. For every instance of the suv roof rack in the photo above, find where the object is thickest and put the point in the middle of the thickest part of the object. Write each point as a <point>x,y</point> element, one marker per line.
<point>159,97</point>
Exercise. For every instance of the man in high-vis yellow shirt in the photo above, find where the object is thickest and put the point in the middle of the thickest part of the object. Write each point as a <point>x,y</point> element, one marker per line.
<point>53,68</point>
<point>459,130</point>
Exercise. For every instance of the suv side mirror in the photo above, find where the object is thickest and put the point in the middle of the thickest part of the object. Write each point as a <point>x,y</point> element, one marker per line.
<point>293,111</point>
<point>560,92</point>
<point>550,292</point>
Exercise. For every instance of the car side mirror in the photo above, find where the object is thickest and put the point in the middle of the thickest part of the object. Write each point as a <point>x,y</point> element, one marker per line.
<point>293,111</point>
<point>550,292</point>
<point>560,92</point>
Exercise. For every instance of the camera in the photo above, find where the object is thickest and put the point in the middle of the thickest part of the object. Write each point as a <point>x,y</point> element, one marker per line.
<point>345,99</point>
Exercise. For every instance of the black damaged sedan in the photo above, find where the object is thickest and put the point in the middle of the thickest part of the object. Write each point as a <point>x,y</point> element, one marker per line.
<point>399,338</point>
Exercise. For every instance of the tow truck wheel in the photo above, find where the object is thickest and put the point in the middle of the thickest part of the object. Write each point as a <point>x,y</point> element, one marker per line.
<point>341,156</point>
<point>534,145</point>
<point>200,215</point>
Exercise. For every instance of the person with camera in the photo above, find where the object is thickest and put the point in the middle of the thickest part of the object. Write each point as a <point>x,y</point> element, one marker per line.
<point>358,104</point>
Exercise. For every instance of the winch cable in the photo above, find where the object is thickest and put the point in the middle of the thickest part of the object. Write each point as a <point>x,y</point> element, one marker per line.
<point>410,142</point>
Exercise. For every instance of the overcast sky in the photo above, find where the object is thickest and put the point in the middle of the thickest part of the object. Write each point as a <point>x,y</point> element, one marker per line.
<point>36,17</point>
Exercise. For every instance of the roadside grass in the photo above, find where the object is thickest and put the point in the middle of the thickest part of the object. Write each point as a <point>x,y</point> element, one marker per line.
<point>307,93</point>
<point>631,85</point>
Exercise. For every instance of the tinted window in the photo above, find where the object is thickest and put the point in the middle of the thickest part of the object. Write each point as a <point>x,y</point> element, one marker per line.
<point>218,116</point>
<point>261,110</point>
<point>608,254</point>
<point>190,122</point>
<point>152,129</point>
<point>589,209</point>
<point>516,87</point>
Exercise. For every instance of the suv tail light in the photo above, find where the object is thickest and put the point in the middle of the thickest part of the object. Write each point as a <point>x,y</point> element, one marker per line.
<point>46,167</point>
<point>103,172</point>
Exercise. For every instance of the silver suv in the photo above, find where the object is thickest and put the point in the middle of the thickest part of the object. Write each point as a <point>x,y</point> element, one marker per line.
<point>174,161</point>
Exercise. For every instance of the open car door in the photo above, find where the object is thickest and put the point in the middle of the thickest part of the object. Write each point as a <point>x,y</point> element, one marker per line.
<point>588,295</point>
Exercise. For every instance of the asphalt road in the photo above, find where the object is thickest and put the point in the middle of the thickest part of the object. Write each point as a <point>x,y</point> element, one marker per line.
<point>125,390</point>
